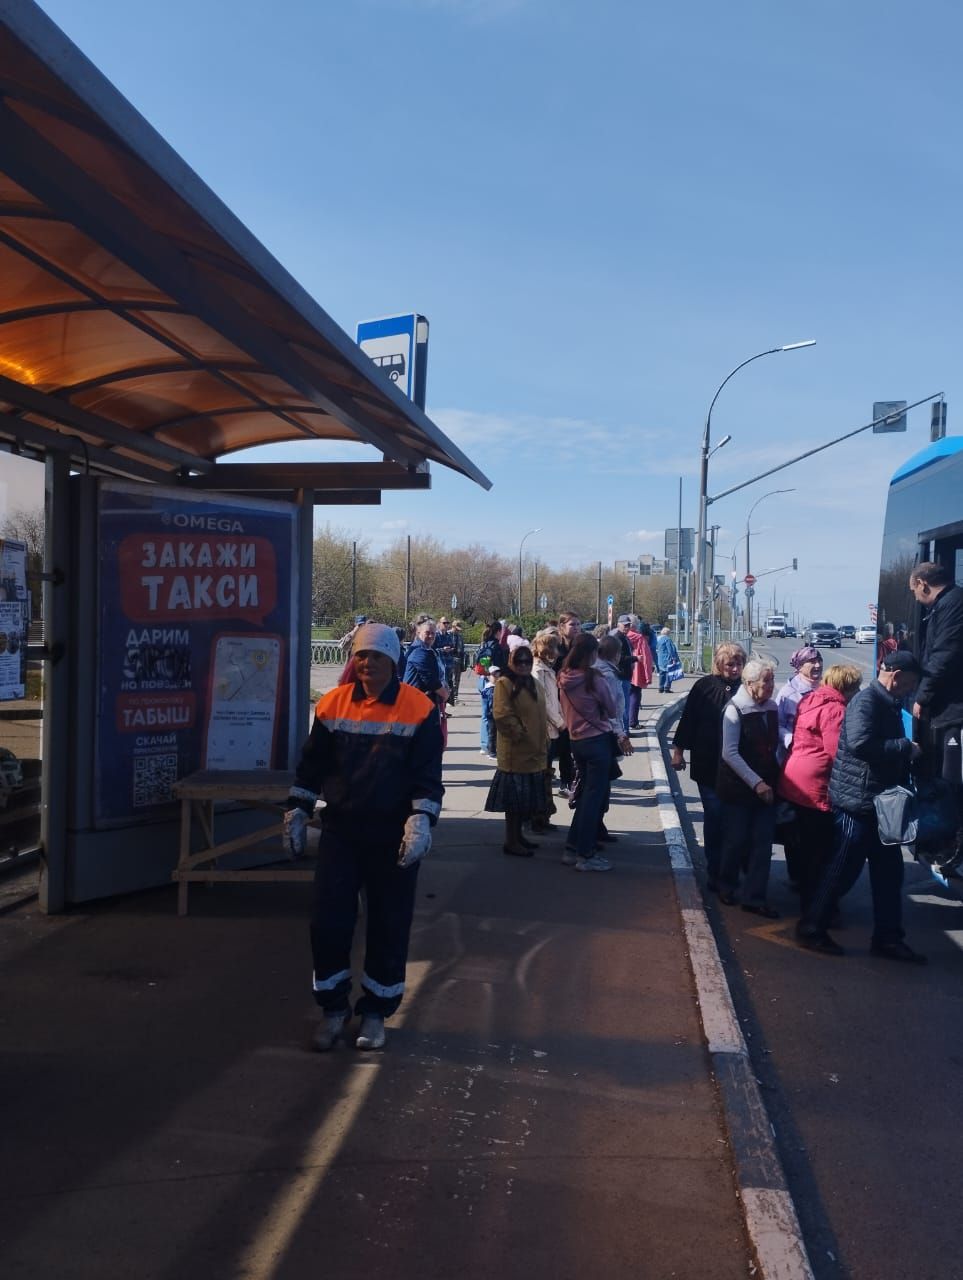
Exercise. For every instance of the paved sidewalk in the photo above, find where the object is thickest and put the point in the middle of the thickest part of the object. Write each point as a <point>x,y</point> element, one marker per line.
<point>544,1107</point>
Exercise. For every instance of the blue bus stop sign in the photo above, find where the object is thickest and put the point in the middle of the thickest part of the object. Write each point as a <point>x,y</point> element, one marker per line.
<point>398,345</point>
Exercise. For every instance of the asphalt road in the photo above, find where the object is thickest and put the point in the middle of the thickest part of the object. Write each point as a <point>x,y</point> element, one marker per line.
<point>861,1065</point>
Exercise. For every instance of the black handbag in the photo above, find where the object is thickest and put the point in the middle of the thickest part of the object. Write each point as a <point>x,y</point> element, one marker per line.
<point>615,770</point>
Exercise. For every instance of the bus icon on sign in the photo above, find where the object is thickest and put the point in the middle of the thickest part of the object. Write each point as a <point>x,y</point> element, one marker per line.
<point>394,365</point>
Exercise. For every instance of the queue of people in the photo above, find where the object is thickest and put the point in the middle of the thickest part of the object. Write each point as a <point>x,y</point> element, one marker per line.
<point>814,758</point>
<point>810,762</point>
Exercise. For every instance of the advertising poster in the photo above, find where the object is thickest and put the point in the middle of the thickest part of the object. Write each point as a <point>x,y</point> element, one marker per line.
<point>14,619</point>
<point>196,646</point>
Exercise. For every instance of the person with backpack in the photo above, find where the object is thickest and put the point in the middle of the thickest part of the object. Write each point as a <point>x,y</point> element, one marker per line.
<point>490,660</point>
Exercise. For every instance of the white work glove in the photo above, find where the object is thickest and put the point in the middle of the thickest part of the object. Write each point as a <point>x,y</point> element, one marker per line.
<point>417,840</point>
<point>295,832</point>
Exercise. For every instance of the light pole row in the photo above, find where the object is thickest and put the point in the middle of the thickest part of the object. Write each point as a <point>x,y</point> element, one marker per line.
<point>707,451</point>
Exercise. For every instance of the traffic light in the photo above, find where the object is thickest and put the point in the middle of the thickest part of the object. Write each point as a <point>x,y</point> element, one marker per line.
<point>795,563</point>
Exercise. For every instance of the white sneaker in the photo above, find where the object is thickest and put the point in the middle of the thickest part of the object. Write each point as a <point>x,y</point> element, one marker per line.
<point>372,1033</point>
<point>595,863</point>
<point>329,1032</point>
<point>569,857</point>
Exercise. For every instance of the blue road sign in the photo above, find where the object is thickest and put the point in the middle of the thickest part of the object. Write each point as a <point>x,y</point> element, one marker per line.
<point>889,415</point>
<point>611,600</point>
<point>398,345</point>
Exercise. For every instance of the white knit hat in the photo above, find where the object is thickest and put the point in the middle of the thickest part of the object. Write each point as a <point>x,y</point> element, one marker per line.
<point>377,638</point>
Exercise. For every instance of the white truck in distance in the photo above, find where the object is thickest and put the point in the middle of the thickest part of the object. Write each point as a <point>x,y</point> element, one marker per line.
<point>775,625</point>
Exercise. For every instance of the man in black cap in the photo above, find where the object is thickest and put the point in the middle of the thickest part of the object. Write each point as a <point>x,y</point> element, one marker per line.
<point>938,706</point>
<point>874,754</point>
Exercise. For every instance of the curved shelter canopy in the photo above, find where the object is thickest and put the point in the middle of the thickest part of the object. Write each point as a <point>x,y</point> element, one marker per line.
<point>141,325</point>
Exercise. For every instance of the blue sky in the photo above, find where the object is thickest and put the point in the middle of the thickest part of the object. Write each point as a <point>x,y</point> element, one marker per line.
<point>601,209</point>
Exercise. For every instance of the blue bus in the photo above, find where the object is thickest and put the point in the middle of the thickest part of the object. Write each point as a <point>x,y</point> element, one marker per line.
<point>924,521</point>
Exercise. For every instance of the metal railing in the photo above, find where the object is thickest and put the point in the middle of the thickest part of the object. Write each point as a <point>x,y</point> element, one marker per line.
<point>326,653</point>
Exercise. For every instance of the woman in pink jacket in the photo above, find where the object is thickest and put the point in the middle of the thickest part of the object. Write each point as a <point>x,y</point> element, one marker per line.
<point>805,777</point>
<point>641,676</point>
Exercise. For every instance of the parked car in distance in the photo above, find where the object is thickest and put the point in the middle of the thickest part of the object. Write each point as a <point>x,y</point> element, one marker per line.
<point>865,634</point>
<point>822,633</point>
<point>775,625</point>
<point>790,632</point>
<point>847,632</point>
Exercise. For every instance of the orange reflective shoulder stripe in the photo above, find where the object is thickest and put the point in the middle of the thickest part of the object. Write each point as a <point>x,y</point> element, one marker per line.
<point>410,707</point>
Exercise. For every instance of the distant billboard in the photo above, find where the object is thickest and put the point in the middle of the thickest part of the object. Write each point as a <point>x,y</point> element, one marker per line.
<point>672,546</point>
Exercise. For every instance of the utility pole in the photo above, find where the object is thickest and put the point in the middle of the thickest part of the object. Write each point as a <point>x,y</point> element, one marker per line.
<point>408,581</point>
<point>678,569</point>
<point>598,597</point>
<point>354,577</point>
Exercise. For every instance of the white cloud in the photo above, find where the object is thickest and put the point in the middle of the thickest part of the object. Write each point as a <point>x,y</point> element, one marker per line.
<point>645,535</point>
<point>553,441</point>
<point>395,524</point>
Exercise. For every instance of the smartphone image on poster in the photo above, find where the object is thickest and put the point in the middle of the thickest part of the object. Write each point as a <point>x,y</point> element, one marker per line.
<point>243,698</point>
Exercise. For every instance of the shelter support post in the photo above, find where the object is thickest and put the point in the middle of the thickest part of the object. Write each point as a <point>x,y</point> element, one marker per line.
<point>56,711</point>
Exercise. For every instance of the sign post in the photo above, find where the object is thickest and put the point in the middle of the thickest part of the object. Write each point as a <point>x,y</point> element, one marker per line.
<point>454,602</point>
<point>398,345</point>
<point>543,601</point>
<point>610,602</point>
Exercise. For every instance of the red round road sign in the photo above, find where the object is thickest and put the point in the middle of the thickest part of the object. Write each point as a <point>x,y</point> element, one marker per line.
<point>750,579</point>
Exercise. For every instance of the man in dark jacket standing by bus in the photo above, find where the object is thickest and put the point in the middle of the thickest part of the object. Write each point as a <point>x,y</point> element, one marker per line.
<point>939,698</point>
<point>874,754</point>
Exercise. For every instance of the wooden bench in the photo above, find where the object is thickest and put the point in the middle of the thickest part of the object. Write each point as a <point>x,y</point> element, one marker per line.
<point>254,789</point>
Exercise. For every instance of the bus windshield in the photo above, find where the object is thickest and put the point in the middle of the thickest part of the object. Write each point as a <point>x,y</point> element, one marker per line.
<point>924,521</point>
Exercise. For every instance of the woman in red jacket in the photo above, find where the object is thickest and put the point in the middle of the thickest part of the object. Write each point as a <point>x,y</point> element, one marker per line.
<point>805,777</point>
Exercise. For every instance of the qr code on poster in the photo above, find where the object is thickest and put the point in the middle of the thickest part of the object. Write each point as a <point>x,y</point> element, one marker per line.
<point>154,776</point>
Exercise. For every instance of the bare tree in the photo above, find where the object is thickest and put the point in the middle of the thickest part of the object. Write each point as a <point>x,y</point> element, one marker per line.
<point>29,526</point>
<point>331,594</point>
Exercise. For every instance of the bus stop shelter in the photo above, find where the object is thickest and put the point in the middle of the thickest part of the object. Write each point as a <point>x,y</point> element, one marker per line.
<point>145,337</point>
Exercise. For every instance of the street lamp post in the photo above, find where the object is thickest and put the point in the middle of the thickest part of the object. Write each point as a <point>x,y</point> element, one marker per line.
<point>749,590</point>
<point>520,545</point>
<point>699,594</point>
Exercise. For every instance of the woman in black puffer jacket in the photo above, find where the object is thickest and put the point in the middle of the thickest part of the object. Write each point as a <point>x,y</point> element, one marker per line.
<point>699,732</point>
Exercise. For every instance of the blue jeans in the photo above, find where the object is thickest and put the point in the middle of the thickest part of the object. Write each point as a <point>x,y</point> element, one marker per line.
<point>347,862</point>
<point>593,758</point>
<point>747,831</point>
<point>626,697</point>
<point>857,841</point>
<point>488,732</point>
<point>711,830</point>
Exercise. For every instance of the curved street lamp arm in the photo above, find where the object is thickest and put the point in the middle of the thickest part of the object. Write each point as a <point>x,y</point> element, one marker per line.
<point>758,356</point>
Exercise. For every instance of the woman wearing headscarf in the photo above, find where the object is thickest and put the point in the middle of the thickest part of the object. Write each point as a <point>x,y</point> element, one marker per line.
<point>699,732</point>
<point>518,787</point>
<point>807,663</point>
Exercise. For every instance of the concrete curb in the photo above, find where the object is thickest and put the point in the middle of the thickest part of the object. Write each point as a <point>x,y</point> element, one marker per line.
<point>770,1215</point>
